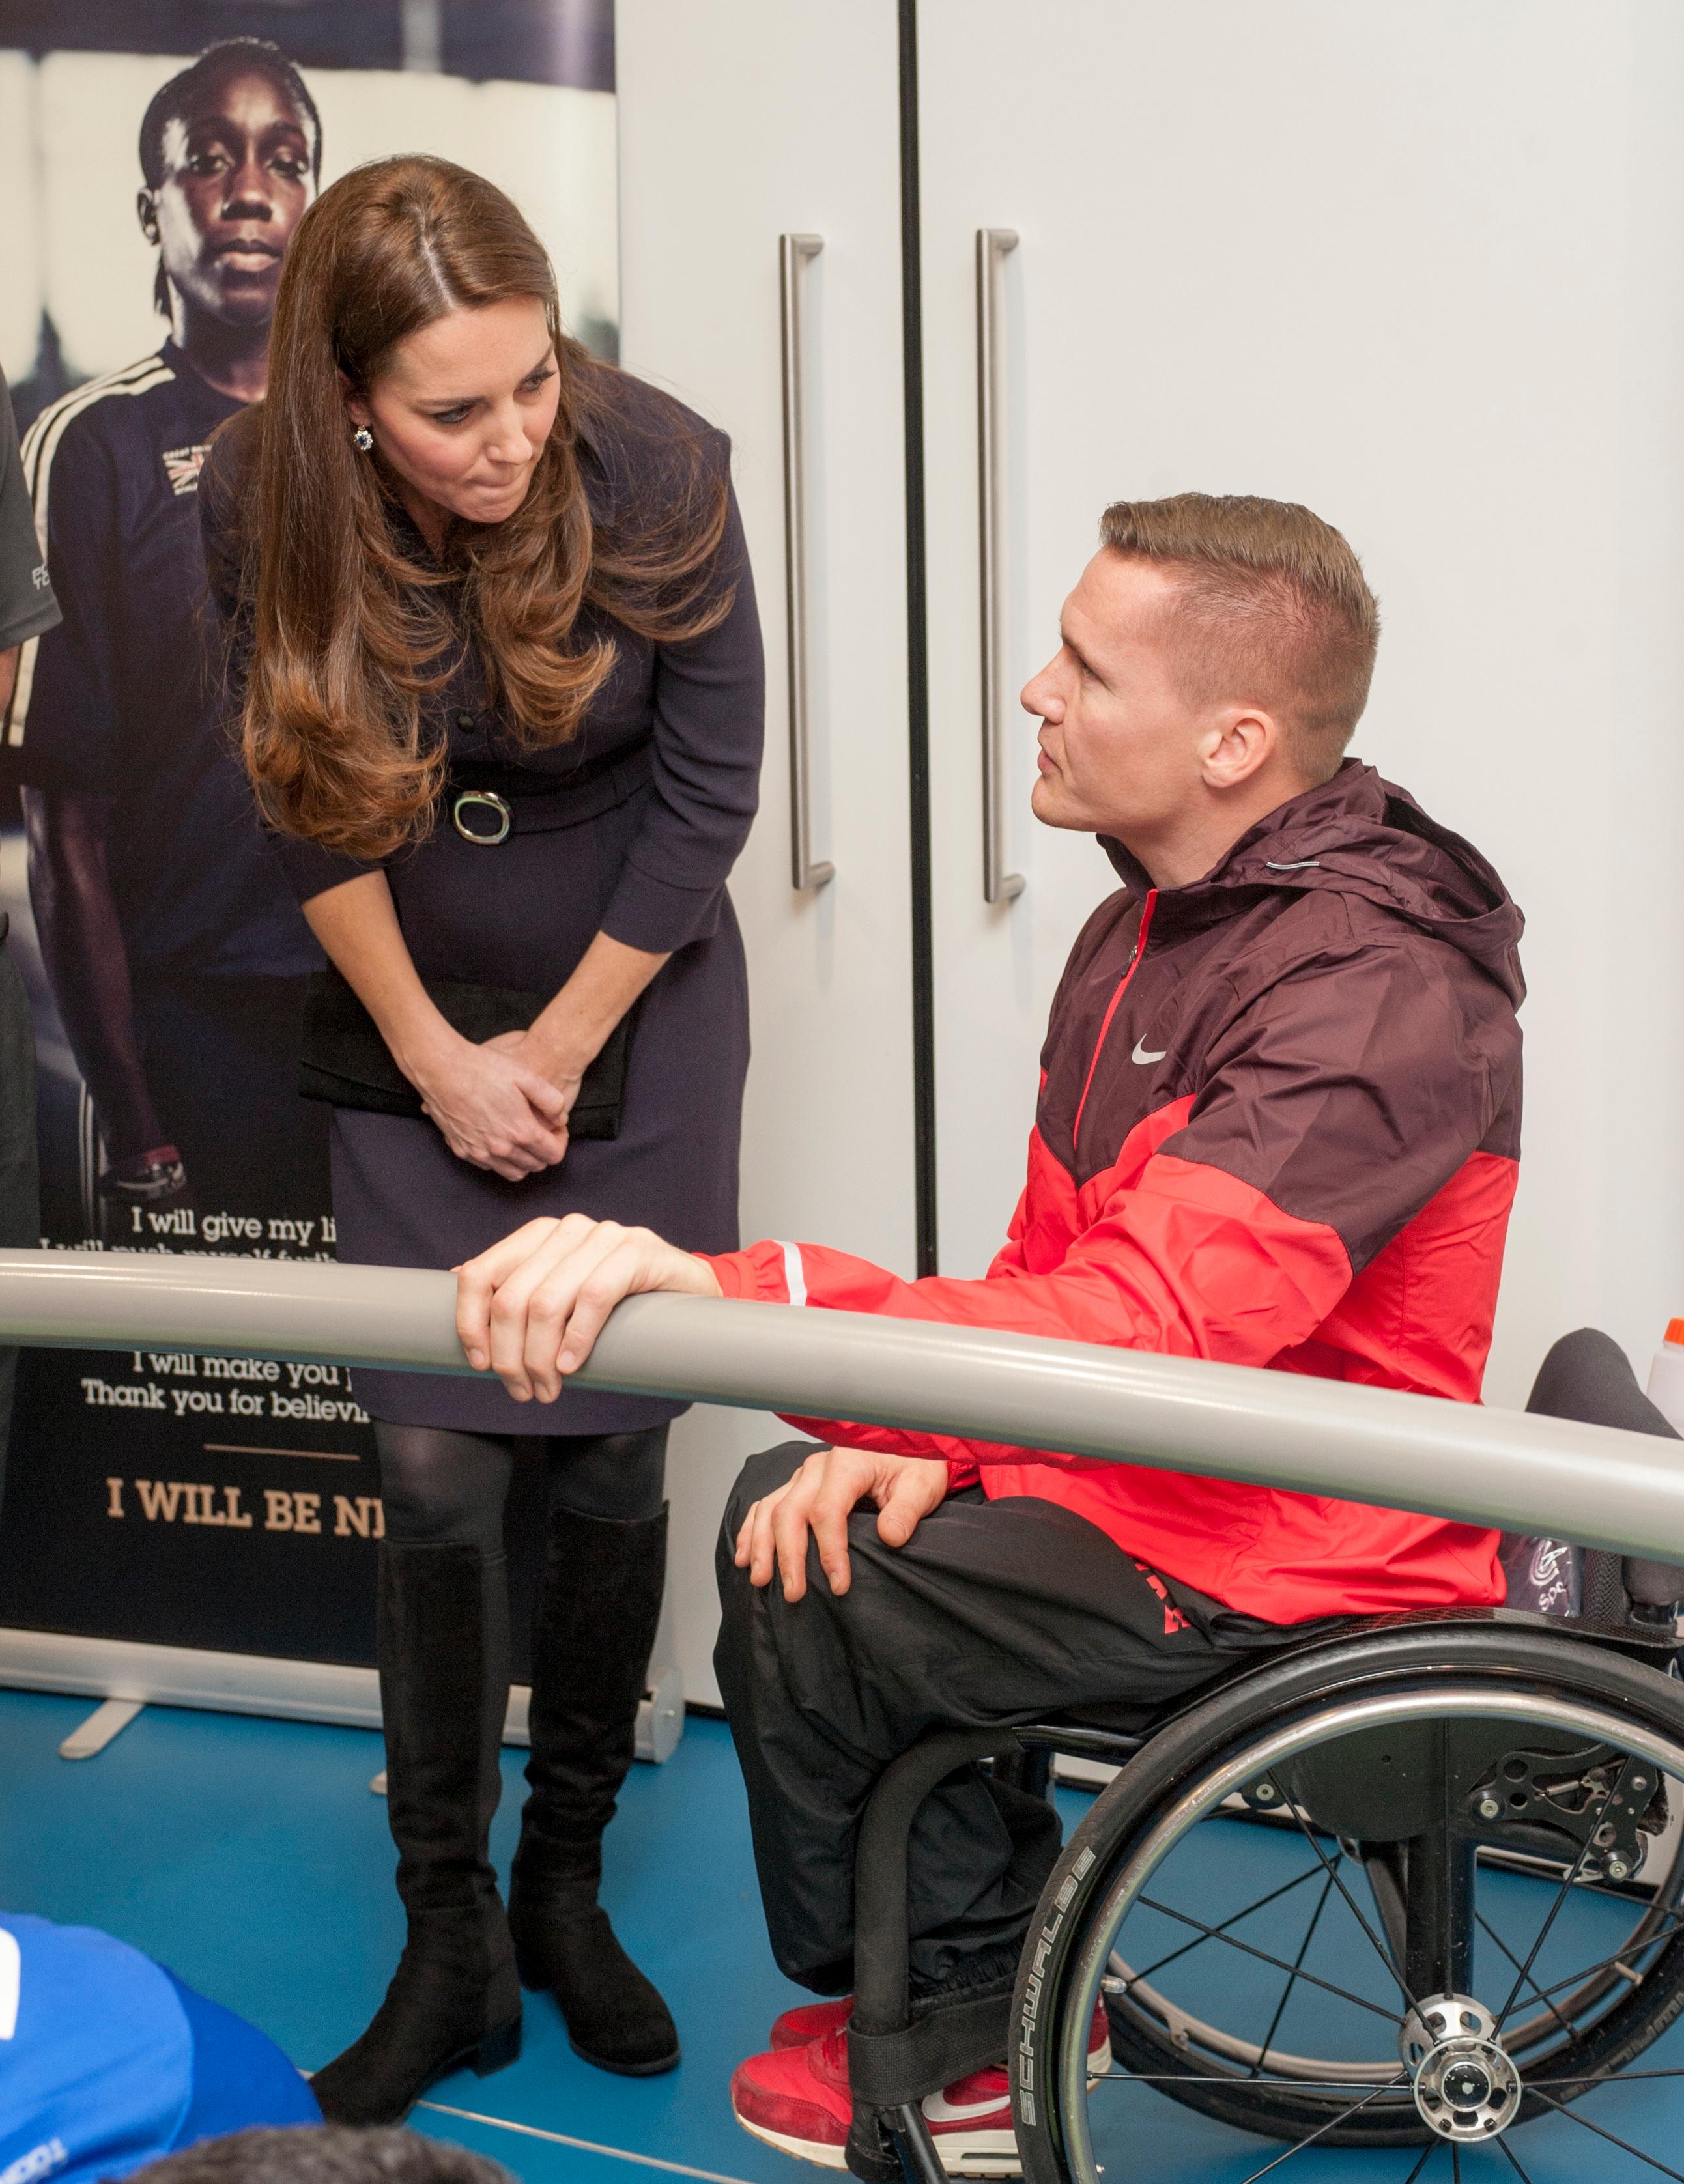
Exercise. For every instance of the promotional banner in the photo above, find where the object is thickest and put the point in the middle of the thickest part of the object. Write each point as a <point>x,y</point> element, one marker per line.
<point>155,158</point>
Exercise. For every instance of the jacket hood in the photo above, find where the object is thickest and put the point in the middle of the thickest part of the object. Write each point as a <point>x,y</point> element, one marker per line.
<point>1359,835</point>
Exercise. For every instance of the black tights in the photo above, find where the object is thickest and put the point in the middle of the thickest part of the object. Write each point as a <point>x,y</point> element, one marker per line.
<point>439,1484</point>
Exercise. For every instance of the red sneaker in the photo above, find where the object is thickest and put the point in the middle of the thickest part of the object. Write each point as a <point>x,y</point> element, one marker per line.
<point>797,2027</point>
<point>798,2100</point>
<point>811,2021</point>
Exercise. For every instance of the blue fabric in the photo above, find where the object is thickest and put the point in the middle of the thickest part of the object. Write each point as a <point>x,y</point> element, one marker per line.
<point>97,2074</point>
<point>107,2061</point>
<point>241,2078</point>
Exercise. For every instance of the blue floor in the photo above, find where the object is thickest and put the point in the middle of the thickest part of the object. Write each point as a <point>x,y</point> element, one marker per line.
<point>249,1856</point>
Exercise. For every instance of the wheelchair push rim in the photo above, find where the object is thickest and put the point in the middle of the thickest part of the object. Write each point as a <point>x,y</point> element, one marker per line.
<point>1531,2047</point>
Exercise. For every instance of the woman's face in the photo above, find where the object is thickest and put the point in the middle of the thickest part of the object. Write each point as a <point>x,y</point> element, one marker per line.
<point>461,410</point>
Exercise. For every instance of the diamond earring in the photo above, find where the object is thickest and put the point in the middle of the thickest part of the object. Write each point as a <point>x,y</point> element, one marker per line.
<point>362,439</point>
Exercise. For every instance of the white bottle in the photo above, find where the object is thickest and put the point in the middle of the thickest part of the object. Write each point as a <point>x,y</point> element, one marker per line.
<point>1665,1389</point>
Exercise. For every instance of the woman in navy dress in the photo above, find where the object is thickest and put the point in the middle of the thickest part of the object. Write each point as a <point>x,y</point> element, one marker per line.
<point>494,638</point>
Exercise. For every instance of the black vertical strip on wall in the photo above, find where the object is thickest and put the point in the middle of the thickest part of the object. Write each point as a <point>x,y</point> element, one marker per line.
<point>917,652</point>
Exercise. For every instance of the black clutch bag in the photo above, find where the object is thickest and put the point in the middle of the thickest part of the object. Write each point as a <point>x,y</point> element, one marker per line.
<point>346,1062</point>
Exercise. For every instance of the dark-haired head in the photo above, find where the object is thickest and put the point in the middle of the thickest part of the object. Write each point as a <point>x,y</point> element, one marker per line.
<point>332,2155</point>
<point>230,154</point>
<point>176,99</point>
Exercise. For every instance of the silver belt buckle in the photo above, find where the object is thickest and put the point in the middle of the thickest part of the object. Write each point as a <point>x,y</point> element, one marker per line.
<point>485,800</point>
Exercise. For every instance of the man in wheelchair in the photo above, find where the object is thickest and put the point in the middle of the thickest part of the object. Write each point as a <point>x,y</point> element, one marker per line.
<point>1279,1126</point>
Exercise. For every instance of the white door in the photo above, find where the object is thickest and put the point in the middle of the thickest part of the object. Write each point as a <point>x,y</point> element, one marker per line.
<point>739,126</point>
<point>1416,265</point>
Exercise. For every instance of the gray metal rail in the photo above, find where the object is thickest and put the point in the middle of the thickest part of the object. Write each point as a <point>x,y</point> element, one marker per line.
<point>1591,1483</point>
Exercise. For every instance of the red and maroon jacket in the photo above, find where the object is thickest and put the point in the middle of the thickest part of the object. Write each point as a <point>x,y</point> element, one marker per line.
<point>1278,1125</point>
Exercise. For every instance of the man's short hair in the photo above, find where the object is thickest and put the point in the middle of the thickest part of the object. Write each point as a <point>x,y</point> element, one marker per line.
<point>229,57</point>
<point>1271,608</point>
<point>330,2155</point>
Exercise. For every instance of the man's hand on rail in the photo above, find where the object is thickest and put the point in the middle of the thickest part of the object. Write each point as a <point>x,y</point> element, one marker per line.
<point>531,1307</point>
<point>816,1502</point>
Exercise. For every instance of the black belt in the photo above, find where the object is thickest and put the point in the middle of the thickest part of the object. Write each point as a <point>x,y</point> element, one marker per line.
<point>489,803</point>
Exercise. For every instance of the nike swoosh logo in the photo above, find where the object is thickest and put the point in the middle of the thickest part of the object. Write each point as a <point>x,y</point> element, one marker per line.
<point>938,2108</point>
<point>1141,1056</point>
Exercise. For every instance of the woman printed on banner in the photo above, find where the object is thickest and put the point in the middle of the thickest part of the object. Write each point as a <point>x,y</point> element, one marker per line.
<point>175,950</point>
<point>492,623</point>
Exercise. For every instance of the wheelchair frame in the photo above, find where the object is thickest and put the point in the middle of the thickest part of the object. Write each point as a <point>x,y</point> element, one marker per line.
<point>1430,1668</point>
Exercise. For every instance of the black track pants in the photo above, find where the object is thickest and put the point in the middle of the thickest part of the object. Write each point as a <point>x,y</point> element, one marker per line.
<point>993,1612</point>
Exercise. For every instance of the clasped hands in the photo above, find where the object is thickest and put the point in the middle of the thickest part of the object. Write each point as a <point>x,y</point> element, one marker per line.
<point>530,1310</point>
<point>503,1106</point>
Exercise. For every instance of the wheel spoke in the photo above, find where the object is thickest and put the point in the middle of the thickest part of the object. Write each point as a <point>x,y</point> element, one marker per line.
<point>1332,1871</point>
<point>1261,1903</point>
<point>1422,2163</point>
<point>1601,2078</point>
<point>1292,1978</point>
<point>1604,1964</point>
<point>1513,2159</point>
<point>1322,2130</point>
<point>1233,1941</point>
<point>1116,2077</point>
<point>1486,1927</point>
<point>1455,2163</point>
<point>1623,2144</point>
<point>1561,1897</point>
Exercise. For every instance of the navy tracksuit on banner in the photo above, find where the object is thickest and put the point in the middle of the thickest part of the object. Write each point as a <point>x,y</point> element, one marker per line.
<point>126,701</point>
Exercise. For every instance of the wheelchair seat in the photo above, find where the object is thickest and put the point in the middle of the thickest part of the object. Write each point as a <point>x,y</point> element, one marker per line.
<point>1587,1377</point>
<point>1481,1805</point>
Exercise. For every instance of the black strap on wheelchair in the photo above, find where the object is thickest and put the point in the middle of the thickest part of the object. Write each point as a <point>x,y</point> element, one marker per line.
<point>894,2056</point>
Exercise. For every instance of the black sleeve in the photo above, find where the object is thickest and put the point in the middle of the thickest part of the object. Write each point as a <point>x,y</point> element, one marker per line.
<point>710,721</point>
<point>27,606</point>
<point>311,870</point>
<point>69,725</point>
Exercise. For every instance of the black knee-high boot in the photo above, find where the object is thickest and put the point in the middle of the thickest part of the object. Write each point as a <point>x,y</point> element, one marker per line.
<point>595,1629</point>
<point>455,2000</point>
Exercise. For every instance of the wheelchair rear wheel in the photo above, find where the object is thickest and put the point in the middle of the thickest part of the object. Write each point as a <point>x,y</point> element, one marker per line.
<point>1416,1888</point>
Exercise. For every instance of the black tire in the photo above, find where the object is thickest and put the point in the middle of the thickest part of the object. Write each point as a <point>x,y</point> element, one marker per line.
<point>1296,1689</point>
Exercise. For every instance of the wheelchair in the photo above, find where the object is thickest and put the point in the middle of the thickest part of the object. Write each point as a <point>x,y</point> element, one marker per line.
<point>1481,1811</point>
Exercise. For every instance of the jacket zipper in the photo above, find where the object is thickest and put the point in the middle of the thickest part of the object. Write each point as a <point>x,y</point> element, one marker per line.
<point>1129,971</point>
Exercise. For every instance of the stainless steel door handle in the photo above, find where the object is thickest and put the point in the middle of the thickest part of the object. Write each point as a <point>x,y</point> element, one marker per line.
<point>805,871</point>
<point>999,885</point>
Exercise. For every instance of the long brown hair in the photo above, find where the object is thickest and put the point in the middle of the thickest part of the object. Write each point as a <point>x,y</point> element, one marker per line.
<point>349,633</point>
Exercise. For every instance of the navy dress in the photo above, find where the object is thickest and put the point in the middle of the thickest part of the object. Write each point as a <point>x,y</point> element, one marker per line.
<point>631,829</point>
